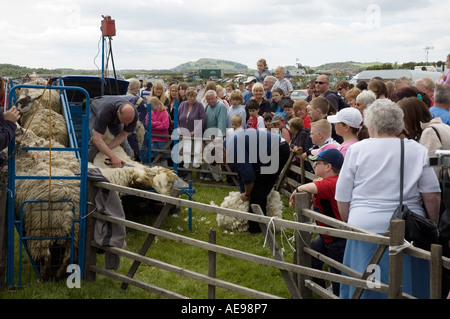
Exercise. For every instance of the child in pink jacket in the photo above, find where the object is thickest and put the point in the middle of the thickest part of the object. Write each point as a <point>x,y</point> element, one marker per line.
<point>160,123</point>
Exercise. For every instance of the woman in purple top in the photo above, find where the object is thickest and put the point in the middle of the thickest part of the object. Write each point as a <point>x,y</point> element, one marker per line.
<point>191,122</point>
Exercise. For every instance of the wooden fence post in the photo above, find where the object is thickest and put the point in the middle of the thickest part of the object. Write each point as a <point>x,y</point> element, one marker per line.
<point>270,236</point>
<point>396,239</point>
<point>436,272</point>
<point>302,240</point>
<point>212,264</point>
<point>149,240</point>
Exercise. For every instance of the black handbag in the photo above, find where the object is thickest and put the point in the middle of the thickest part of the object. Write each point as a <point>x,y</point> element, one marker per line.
<point>419,231</point>
<point>444,225</point>
<point>444,219</point>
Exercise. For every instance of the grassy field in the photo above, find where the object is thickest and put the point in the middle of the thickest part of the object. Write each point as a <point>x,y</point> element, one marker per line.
<point>236,271</point>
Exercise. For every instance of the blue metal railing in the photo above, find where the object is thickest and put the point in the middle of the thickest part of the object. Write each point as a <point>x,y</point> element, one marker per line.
<point>22,238</point>
<point>83,158</point>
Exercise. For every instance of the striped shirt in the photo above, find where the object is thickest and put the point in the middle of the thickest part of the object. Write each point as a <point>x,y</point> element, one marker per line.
<point>285,85</point>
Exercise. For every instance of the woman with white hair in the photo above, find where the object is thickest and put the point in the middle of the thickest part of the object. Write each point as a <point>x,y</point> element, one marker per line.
<point>364,99</point>
<point>368,189</point>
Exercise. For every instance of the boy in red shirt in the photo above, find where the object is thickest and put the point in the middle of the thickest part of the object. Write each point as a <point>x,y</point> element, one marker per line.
<point>255,120</point>
<point>327,165</point>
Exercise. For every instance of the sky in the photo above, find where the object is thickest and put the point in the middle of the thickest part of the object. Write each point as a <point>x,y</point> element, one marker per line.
<point>161,34</point>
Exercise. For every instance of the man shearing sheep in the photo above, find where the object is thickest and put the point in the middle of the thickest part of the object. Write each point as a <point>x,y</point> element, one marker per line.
<point>120,117</point>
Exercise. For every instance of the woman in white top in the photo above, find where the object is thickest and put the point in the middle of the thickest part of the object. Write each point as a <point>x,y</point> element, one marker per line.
<point>368,189</point>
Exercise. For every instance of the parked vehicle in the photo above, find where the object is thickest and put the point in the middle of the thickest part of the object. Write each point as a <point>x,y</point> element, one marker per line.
<point>391,75</point>
<point>299,94</point>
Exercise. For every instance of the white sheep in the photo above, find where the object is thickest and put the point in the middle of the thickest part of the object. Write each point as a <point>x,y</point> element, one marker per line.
<point>28,98</point>
<point>274,208</point>
<point>135,174</point>
<point>39,123</point>
<point>65,159</point>
<point>51,218</point>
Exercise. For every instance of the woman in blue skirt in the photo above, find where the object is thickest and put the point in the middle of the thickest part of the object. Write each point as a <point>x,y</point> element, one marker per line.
<point>368,192</point>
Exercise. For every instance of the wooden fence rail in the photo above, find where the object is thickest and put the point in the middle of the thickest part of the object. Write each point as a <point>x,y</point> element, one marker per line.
<point>300,270</point>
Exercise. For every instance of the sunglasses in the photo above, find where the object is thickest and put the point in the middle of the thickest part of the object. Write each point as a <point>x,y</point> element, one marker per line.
<point>320,82</point>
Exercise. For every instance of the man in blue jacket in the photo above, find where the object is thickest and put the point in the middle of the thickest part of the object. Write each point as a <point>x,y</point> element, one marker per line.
<point>259,157</point>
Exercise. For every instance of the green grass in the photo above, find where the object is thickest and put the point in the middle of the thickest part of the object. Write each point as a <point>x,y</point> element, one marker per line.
<point>237,271</point>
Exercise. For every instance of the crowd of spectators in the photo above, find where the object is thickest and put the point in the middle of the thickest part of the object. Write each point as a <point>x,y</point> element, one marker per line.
<point>362,123</point>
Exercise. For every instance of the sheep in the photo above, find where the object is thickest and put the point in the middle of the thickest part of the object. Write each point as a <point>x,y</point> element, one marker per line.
<point>37,117</point>
<point>274,208</point>
<point>28,99</point>
<point>39,123</point>
<point>135,174</point>
<point>51,217</point>
<point>28,138</point>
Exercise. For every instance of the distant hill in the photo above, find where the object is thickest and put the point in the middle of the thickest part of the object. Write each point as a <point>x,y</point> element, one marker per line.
<point>226,66</point>
<point>235,67</point>
<point>349,67</point>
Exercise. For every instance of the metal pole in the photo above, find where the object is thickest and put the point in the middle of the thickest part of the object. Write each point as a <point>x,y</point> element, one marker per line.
<point>175,135</point>
<point>103,66</point>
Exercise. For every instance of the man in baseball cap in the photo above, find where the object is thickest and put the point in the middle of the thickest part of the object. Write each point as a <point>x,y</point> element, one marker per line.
<point>251,80</point>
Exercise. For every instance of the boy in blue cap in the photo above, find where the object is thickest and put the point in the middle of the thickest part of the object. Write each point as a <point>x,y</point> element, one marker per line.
<point>327,165</point>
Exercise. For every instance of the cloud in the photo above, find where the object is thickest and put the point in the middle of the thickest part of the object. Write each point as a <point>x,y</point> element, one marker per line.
<point>156,34</point>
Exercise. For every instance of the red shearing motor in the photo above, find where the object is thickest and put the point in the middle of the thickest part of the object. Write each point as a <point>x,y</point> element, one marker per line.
<point>108,27</point>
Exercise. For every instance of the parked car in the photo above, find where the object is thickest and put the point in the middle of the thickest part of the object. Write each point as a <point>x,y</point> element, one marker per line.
<point>299,94</point>
<point>199,94</point>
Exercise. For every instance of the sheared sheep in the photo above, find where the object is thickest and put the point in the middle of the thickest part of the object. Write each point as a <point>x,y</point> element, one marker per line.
<point>135,174</point>
<point>274,208</point>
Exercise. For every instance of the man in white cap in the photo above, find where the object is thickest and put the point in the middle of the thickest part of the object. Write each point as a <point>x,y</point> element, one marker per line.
<point>251,80</point>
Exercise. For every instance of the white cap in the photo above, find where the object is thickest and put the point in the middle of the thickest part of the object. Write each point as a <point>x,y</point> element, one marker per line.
<point>349,115</point>
<point>250,79</point>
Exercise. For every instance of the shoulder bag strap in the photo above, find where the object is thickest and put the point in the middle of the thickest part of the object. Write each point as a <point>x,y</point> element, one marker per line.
<point>402,165</point>
<point>437,133</point>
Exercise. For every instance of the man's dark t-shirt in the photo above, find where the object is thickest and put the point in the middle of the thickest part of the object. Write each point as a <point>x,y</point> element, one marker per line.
<point>107,107</point>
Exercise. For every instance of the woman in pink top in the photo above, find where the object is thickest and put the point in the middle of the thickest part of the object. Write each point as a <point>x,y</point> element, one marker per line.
<point>349,124</point>
<point>445,78</point>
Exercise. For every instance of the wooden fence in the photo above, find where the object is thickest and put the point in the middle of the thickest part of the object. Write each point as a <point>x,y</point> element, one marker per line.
<point>297,274</point>
<point>167,149</point>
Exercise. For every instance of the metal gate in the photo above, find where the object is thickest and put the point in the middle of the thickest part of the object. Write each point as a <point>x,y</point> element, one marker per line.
<point>36,207</point>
